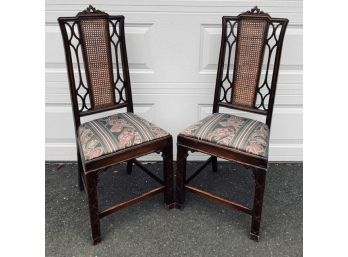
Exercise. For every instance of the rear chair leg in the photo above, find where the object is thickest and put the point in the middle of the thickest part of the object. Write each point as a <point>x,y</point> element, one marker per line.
<point>91,181</point>
<point>168,174</point>
<point>79,171</point>
<point>260,182</point>
<point>129,167</point>
<point>214,163</point>
<point>180,176</point>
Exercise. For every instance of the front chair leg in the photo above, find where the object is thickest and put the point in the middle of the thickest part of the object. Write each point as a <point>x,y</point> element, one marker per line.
<point>214,163</point>
<point>79,171</point>
<point>168,174</point>
<point>260,182</point>
<point>91,183</point>
<point>180,176</point>
<point>129,167</point>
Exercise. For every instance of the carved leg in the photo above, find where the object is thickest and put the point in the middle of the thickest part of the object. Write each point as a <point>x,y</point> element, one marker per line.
<point>79,171</point>
<point>91,181</point>
<point>168,174</point>
<point>214,164</point>
<point>260,181</point>
<point>129,167</point>
<point>180,176</point>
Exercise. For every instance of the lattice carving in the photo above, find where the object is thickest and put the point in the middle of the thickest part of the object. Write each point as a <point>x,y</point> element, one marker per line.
<point>119,84</point>
<point>82,91</point>
<point>227,81</point>
<point>102,96</point>
<point>264,88</point>
<point>244,80</point>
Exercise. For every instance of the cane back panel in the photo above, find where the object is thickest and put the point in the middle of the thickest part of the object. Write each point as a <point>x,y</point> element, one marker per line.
<point>97,61</point>
<point>94,36</point>
<point>251,45</point>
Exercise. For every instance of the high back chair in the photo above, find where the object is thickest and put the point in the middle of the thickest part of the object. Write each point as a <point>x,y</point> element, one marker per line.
<point>97,66</point>
<point>251,45</point>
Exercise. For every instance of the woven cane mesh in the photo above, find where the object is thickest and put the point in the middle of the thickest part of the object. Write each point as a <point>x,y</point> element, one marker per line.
<point>96,45</point>
<point>250,47</point>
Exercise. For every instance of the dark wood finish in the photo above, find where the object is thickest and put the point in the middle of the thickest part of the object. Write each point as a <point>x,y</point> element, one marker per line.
<point>168,175</point>
<point>222,151</point>
<point>274,25</point>
<point>214,164</point>
<point>80,92</point>
<point>199,170</point>
<point>219,199</point>
<point>79,170</point>
<point>135,200</point>
<point>182,154</point>
<point>259,165</point>
<point>241,108</point>
<point>129,167</point>
<point>91,183</point>
<point>148,172</point>
<point>127,154</point>
<point>260,183</point>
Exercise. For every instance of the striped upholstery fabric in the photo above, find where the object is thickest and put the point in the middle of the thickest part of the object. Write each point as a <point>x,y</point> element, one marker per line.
<point>242,134</point>
<point>113,133</point>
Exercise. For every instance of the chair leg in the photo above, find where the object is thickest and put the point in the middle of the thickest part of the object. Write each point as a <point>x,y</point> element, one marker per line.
<point>260,182</point>
<point>91,181</point>
<point>214,163</point>
<point>129,167</point>
<point>180,176</point>
<point>168,174</point>
<point>79,171</point>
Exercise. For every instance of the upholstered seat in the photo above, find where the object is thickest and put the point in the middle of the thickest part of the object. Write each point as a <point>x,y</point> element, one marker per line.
<point>242,134</point>
<point>113,133</point>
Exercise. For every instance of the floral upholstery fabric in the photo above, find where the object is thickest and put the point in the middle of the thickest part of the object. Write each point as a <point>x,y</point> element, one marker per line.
<point>113,133</point>
<point>243,134</point>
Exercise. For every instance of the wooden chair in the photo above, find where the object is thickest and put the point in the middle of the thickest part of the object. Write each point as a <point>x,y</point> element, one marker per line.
<point>96,58</point>
<point>253,41</point>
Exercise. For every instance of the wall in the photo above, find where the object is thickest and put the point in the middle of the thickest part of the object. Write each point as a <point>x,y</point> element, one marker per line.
<point>173,51</point>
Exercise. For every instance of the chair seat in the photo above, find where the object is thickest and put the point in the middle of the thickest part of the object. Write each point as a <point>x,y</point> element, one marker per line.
<point>238,133</point>
<point>113,133</point>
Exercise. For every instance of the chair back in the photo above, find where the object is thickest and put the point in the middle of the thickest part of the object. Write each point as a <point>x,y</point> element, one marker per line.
<point>251,46</point>
<point>97,65</point>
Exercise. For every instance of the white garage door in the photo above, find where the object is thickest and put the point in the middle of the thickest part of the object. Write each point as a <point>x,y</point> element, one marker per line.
<point>173,51</point>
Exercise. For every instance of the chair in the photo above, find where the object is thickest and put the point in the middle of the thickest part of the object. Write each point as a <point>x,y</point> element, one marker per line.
<point>97,66</point>
<point>253,41</point>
